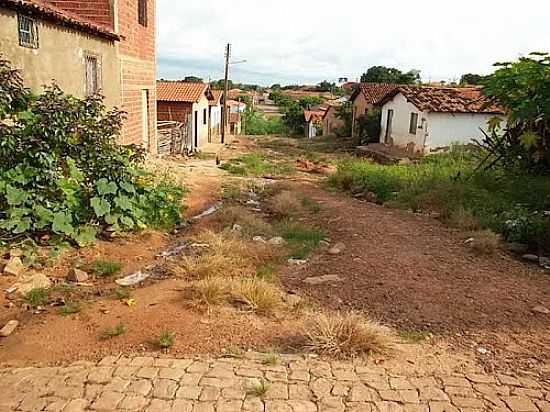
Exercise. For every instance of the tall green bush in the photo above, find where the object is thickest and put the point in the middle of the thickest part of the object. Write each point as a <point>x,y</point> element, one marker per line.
<point>62,172</point>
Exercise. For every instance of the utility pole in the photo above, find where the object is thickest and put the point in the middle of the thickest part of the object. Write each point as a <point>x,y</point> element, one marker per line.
<point>225,116</point>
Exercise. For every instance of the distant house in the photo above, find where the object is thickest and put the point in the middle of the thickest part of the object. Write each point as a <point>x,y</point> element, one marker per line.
<point>182,101</point>
<point>88,47</point>
<point>235,106</point>
<point>214,115</point>
<point>331,121</point>
<point>235,125</point>
<point>313,122</point>
<point>424,119</point>
<point>366,96</point>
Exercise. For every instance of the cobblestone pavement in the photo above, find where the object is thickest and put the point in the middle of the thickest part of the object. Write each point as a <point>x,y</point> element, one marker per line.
<point>293,384</point>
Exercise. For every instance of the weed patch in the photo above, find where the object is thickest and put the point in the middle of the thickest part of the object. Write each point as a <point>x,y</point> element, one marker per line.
<point>258,389</point>
<point>37,297</point>
<point>117,330</point>
<point>70,308</point>
<point>250,223</point>
<point>301,240</point>
<point>484,242</point>
<point>413,336</point>
<point>255,165</point>
<point>166,339</point>
<point>346,335</point>
<point>105,268</point>
<point>285,204</point>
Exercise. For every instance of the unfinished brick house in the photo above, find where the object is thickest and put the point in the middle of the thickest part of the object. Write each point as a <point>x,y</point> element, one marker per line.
<point>88,47</point>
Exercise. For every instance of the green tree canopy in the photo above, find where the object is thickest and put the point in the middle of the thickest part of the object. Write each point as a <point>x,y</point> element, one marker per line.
<point>383,74</point>
<point>473,79</point>
<point>193,79</point>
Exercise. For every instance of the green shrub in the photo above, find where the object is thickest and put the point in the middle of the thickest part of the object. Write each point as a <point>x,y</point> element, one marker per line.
<point>514,205</point>
<point>62,172</point>
<point>254,164</point>
<point>37,297</point>
<point>302,239</point>
<point>256,123</point>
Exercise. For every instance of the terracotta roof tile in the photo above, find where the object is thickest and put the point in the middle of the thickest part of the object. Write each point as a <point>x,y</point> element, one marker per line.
<point>215,96</point>
<point>449,99</point>
<point>314,115</point>
<point>178,91</point>
<point>374,92</point>
<point>48,11</point>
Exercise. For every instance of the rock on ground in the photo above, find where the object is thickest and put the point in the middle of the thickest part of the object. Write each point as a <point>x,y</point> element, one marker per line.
<point>8,328</point>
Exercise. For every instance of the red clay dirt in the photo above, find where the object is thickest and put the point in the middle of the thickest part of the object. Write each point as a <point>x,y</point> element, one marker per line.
<point>413,273</point>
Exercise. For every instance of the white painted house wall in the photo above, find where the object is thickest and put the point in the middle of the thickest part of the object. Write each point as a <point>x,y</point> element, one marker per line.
<point>202,128</point>
<point>400,135</point>
<point>447,128</point>
<point>435,129</point>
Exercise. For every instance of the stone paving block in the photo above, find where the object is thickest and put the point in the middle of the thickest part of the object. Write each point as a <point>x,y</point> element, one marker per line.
<point>220,373</point>
<point>361,393</point>
<point>190,378</point>
<point>479,378</point>
<point>143,361</point>
<point>276,391</point>
<point>299,375</point>
<point>147,372</point>
<point>321,387</point>
<point>299,391</point>
<point>462,403</point>
<point>360,407</point>
<point>492,389</point>
<point>133,403</point>
<point>209,393</point>
<point>277,406</point>
<point>340,388</point>
<point>302,406</point>
<point>439,406</point>
<point>400,383</point>
<point>228,405</point>
<point>118,384</point>
<point>233,393</point>
<point>423,382</point>
<point>162,363</point>
<point>204,407</point>
<point>544,406</point>
<point>408,395</point>
<point>188,392</point>
<point>508,380</point>
<point>520,404</point>
<point>345,375</point>
<point>69,392</point>
<point>218,383</point>
<point>458,381</point>
<point>253,405</point>
<point>141,387</point>
<point>529,382</point>
<point>108,361</point>
<point>272,376</point>
<point>182,405</point>
<point>415,408</point>
<point>460,391</point>
<point>198,367</point>
<point>92,391</point>
<point>107,401</point>
<point>32,403</point>
<point>101,375</point>
<point>390,395</point>
<point>331,404</point>
<point>528,392</point>
<point>125,372</point>
<point>182,363</point>
<point>159,405</point>
<point>171,373</point>
<point>76,405</point>
<point>249,373</point>
<point>432,394</point>
<point>56,405</point>
<point>385,406</point>
<point>164,388</point>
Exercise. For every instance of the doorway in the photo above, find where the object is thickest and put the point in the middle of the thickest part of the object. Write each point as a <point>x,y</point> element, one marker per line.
<point>389,122</point>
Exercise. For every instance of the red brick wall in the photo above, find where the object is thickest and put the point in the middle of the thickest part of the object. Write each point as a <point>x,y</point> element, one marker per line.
<point>138,70</point>
<point>173,111</point>
<point>98,11</point>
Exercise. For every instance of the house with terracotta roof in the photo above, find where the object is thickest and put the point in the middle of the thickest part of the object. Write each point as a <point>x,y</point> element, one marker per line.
<point>367,96</point>
<point>314,122</point>
<point>88,47</point>
<point>183,102</point>
<point>215,115</point>
<point>425,119</point>
<point>331,122</point>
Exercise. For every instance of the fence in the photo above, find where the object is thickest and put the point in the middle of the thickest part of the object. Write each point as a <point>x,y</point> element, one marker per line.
<point>174,137</point>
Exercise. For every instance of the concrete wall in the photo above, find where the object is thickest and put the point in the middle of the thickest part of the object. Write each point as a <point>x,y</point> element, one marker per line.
<point>60,57</point>
<point>202,128</point>
<point>447,128</point>
<point>331,122</point>
<point>400,135</point>
<point>138,71</point>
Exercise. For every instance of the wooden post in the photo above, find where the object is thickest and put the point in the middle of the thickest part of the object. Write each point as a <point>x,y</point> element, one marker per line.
<point>225,117</point>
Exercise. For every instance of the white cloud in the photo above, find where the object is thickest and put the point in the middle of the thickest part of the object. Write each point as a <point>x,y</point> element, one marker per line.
<point>295,41</point>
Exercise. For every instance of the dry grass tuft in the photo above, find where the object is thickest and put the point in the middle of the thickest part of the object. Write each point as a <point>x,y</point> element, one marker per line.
<point>252,224</point>
<point>257,296</point>
<point>346,335</point>
<point>485,242</point>
<point>253,295</point>
<point>286,204</point>
<point>462,218</point>
<point>227,256</point>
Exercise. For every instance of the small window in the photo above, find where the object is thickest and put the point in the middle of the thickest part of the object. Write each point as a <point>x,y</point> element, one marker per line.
<point>142,12</point>
<point>28,32</point>
<point>414,123</point>
<point>204,117</point>
<point>93,78</point>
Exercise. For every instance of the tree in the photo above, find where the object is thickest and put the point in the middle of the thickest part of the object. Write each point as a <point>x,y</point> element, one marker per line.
<point>473,79</point>
<point>345,113</point>
<point>276,86</point>
<point>325,86</point>
<point>293,118</point>
<point>523,89</point>
<point>382,74</point>
<point>193,79</point>
<point>309,101</point>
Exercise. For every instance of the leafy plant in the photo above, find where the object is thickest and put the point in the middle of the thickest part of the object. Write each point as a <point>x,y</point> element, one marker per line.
<point>70,308</point>
<point>63,174</point>
<point>122,293</point>
<point>105,268</point>
<point>166,339</point>
<point>258,389</point>
<point>37,297</point>
<point>113,332</point>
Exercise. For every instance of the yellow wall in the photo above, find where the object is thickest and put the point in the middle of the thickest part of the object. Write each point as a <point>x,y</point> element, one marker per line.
<point>60,56</point>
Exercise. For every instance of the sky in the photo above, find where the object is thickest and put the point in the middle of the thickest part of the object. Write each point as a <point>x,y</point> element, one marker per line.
<point>305,42</point>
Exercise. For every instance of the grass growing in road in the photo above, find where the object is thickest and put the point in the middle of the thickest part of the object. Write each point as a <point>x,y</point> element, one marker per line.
<point>301,239</point>
<point>105,268</point>
<point>70,308</point>
<point>511,204</point>
<point>254,164</point>
<point>37,297</point>
<point>117,330</point>
<point>258,389</point>
<point>413,336</point>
